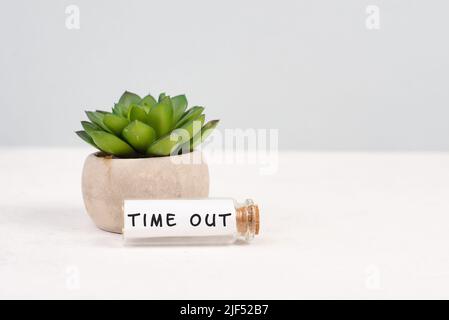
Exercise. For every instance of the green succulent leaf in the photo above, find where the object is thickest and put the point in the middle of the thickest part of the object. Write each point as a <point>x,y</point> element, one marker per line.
<point>179,106</point>
<point>129,98</point>
<point>90,127</point>
<point>190,115</point>
<point>137,113</point>
<point>148,102</point>
<point>170,143</point>
<point>139,135</point>
<point>83,135</point>
<point>162,95</point>
<point>97,118</point>
<point>119,110</point>
<point>161,116</point>
<point>111,144</point>
<point>115,123</point>
<point>126,100</point>
<point>200,137</point>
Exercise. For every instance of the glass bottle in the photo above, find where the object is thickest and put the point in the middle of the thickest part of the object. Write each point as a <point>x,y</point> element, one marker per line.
<point>189,221</point>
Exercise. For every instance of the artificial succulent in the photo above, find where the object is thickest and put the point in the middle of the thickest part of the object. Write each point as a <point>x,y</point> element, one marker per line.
<point>146,127</point>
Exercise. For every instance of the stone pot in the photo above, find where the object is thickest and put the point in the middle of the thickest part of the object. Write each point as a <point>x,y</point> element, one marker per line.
<point>106,182</point>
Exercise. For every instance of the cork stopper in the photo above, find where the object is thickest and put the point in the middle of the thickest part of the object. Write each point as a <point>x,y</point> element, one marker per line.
<point>248,219</point>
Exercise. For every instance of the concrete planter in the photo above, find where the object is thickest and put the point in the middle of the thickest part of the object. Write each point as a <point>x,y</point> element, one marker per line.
<point>106,182</point>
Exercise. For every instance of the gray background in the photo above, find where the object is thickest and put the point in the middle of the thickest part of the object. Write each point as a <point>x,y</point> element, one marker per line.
<point>309,68</point>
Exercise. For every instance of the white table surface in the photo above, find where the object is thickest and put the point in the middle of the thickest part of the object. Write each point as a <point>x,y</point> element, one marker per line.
<point>334,225</point>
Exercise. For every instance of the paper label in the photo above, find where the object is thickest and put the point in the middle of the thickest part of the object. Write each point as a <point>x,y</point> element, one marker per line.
<point>178,218</point>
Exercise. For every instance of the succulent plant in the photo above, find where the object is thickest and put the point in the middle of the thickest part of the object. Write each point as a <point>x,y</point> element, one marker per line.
<point>146,127</point>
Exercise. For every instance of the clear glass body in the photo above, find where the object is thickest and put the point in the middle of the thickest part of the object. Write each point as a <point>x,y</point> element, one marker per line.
<point>245,228</point>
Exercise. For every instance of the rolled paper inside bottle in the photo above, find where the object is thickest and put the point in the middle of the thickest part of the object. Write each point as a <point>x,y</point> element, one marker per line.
<point>179,218</point>
<point>183,219</point>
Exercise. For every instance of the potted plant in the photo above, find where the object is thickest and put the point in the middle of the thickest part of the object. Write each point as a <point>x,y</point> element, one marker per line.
<point>138,144</point>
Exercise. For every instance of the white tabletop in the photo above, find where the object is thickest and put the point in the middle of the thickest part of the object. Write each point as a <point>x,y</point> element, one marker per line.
<point>334,225</point>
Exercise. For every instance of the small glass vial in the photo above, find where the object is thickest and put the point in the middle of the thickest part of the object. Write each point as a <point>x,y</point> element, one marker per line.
<point>189,221</point>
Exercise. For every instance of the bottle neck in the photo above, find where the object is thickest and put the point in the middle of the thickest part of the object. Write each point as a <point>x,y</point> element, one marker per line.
<point>248,220</point>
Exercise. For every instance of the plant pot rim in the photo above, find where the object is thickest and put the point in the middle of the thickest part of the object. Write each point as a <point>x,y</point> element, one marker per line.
<point>103,156</point>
